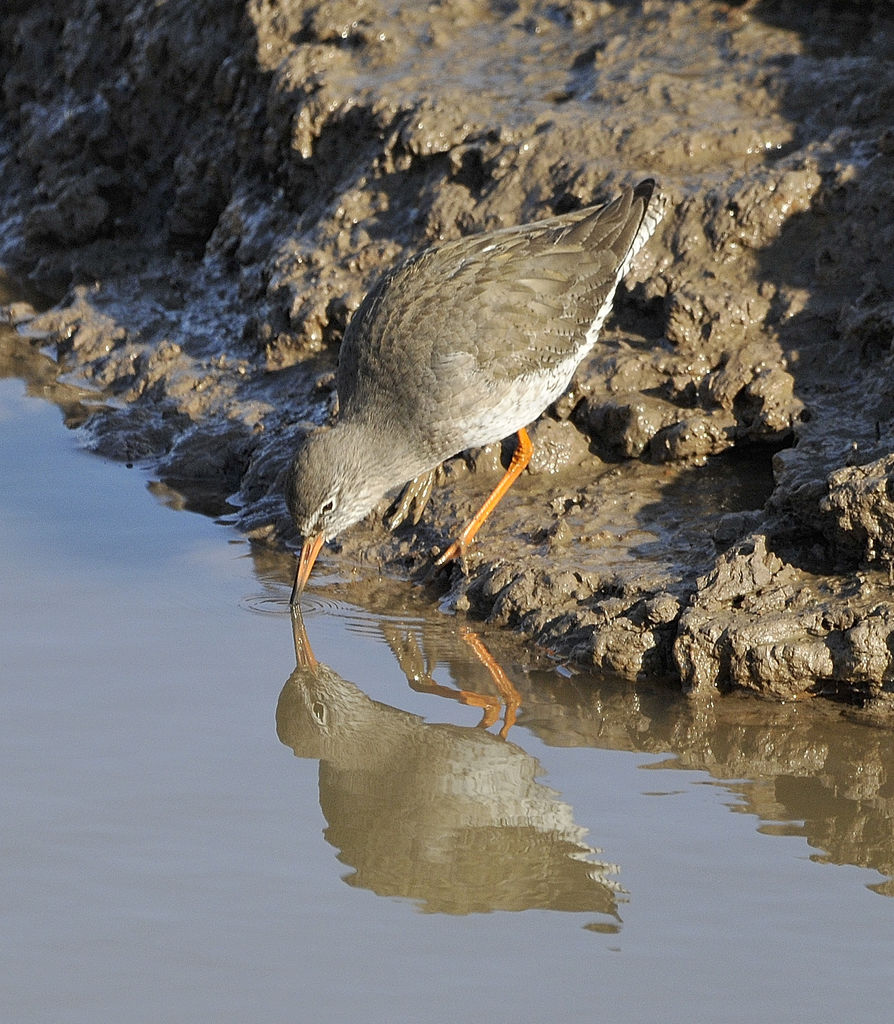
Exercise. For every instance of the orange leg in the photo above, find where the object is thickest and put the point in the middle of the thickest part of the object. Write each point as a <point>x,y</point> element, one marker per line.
<point>520,458</point>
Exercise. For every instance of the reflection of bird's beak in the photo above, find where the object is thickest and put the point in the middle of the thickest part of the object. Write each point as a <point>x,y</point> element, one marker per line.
<point>304,655</point>
<point>309,553</point>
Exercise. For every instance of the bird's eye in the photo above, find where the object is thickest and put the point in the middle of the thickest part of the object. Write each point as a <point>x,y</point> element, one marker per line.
<point>327,508</point>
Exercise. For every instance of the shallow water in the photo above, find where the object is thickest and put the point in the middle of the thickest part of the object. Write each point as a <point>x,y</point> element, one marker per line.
<point>167,857</point>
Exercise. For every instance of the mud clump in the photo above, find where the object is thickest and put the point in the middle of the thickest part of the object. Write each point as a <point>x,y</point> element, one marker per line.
<point>861,504</point>
<point>759,619</point>
<point>214,186</point>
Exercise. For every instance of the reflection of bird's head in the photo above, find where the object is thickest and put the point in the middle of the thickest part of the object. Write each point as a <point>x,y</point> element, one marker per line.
<point>322,715</point>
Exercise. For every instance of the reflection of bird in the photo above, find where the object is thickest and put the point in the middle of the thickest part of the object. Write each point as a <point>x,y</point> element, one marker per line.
<point>452,817</point>
<point>419,676</point>
<point>459,346</point>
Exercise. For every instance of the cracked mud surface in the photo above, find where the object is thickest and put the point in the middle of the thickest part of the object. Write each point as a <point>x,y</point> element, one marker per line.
<point>212,187</point>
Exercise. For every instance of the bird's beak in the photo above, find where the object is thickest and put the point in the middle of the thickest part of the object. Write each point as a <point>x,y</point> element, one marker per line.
<point>309,553</point>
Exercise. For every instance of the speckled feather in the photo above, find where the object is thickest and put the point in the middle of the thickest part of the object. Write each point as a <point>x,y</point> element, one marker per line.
<point>468,342</point>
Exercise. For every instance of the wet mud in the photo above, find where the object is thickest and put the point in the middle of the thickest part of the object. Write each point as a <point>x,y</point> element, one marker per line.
<point>212,187</point>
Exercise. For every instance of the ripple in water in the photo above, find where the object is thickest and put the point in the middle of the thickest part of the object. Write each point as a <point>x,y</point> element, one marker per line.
<point>366,622</point>
<point>277,603</point>
<point>316,601</point>
<point>266,603</point>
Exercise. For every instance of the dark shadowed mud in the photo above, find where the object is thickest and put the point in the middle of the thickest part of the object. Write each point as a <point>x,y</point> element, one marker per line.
<point>213,187</point>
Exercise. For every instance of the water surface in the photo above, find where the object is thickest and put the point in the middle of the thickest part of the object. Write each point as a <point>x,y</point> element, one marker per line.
<point>166,856</point>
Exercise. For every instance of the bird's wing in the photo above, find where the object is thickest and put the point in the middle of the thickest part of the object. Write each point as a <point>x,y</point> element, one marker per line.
<point>471,317</point>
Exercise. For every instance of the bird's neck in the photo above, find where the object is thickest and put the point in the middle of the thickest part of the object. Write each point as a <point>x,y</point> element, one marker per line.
<point>381,451</point>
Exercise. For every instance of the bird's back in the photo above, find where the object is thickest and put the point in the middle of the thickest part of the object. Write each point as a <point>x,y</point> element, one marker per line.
<point>468,342</point>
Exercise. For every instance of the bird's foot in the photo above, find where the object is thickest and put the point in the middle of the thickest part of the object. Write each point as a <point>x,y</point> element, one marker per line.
<point>456,550</point>
<point>412,500</point>
<point>520,458</point>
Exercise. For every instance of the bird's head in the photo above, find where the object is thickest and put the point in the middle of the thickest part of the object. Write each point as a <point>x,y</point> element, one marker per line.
<point>331,484</point>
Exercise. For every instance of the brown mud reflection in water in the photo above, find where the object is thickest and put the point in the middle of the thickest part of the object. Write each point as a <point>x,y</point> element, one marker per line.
<point>802,768</point>
<point>449,816</point>
<point>453,817</point>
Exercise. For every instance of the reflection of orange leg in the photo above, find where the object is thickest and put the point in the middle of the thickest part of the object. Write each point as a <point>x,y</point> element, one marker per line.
<point>520,458</point>
<point>409,657</point>
<point>511,696</point>
<point>480,700</point>
<point>490,705</point>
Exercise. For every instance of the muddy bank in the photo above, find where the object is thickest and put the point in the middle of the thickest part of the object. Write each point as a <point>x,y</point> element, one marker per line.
<point>213,187</point>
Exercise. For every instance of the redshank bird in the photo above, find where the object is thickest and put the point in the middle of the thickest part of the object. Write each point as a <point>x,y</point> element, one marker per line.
<point>461,345</point>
